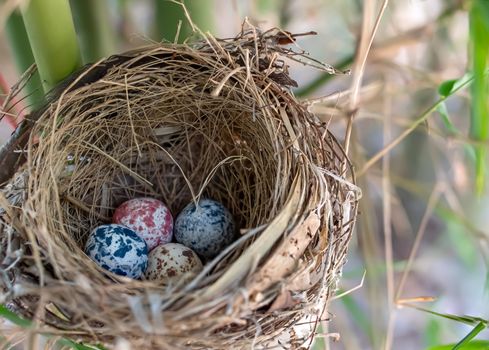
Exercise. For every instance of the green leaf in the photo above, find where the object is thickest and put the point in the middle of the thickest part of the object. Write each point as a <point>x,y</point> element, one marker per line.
<point>470,320</point>
<point>442,109</point>
<point>473,345</point>
<point>24,323</point>
<point>449,87</point>
<point>446,87</point>
<point>473,333</point>
<point>14,318</point>
<point>77,346</point>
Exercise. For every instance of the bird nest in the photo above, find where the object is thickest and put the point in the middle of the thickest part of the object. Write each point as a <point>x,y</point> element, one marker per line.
<point>215,119</point>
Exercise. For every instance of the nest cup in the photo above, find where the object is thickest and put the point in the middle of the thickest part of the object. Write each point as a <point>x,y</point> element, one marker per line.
<point>178,123</point>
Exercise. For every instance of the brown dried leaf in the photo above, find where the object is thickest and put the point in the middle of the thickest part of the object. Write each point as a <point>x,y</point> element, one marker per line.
<point>285,260</point>
<point>309,276</point>
<point>283,301</point>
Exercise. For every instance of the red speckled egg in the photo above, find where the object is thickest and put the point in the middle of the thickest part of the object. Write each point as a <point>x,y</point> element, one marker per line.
<point>148,217</point>
<point>172,264</point>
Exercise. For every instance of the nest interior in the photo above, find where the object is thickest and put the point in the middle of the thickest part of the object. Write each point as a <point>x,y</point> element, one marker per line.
<point>178,123</point>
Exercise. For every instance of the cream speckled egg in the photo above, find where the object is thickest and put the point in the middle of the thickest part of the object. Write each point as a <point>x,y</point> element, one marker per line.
<point>172,263</point>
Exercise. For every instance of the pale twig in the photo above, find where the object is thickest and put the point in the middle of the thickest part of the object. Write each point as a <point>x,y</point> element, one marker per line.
<point>360,61</point>
<point>421,119</point>
<point>351,290</point>
<point>387,220</point>
<point>432,201</point>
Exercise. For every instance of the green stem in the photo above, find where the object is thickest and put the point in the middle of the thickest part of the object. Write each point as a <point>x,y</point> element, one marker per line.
<point>95,33</point>
<point>168,14</point>
<point>52,36</point>
<point>22,54</point>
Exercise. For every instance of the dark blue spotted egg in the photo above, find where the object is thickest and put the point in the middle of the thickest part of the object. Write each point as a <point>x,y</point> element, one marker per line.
<point>118,249</point>
<point>206,228</point>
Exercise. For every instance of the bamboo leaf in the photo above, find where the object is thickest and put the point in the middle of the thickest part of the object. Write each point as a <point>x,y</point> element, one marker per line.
<point>473,345</point>
<point>448,87</point>
<point>470,320</point>
<point>443,111</point>
<point>24,323</point>
<point>14,318</point>
<point>473,333</point>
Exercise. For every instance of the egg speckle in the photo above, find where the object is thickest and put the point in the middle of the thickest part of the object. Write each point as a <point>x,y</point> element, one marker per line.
<point>207,229</point>
<point>172,263</point>
<point>148,217</point>
<point>118,249</point>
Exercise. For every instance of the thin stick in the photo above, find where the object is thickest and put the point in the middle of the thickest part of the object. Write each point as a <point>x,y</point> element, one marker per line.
<point>360,62</point>
<point>413,126</point>
<point>432,201</point>
<point>387,220</point>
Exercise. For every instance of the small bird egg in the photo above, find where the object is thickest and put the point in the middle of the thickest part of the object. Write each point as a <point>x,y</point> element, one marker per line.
<point>172,263</point>
<point>118,249</point>
<point>148,217</point>
<point>207,228</point>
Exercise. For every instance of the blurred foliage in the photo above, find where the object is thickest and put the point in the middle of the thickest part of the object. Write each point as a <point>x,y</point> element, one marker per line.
<point>170,16</point>
<point>52,37</point>
<point>23,58</point>
<point>94,29</point>
<point>412,64</point>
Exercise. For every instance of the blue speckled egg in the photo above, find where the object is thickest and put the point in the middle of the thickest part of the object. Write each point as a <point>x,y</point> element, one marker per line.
<point>118,249</point>
<point>206,229</point>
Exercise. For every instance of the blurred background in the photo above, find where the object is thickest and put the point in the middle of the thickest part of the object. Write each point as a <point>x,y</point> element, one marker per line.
<point>417,271</point>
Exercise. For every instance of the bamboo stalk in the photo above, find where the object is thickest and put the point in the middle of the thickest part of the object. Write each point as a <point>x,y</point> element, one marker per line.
<point>168,14</point>
<point>95,33</point>
<point>21,51</point>
<point>53,40</point>
<point>479,125</point>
